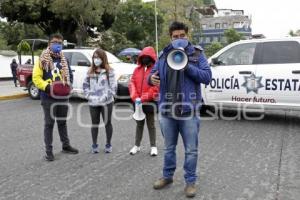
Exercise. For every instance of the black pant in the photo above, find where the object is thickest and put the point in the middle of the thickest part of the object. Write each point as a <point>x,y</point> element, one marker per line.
<point>106,112</point>
<point>151,129</point>
<point>15,77</point>
<point>52,111</point>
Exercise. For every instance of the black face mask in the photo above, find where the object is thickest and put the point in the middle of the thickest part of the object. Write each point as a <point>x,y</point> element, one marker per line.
<point>146,60</point>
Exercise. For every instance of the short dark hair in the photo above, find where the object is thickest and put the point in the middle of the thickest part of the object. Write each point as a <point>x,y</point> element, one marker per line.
<point>178,26</point>
<point>56,35</point>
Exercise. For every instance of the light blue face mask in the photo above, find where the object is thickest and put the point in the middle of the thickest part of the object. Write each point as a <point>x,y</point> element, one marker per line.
<point>97,62</point>
<point>180,43</point>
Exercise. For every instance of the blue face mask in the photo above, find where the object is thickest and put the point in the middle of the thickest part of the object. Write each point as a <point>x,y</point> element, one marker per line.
<point>56,48</point>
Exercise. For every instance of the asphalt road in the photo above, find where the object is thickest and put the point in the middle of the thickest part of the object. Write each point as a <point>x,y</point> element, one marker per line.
<point>238,159</point>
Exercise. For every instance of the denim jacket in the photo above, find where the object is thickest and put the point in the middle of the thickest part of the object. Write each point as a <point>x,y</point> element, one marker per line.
<point>98,90</point>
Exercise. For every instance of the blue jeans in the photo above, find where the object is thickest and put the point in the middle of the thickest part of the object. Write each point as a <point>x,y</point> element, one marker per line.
<point>189,131</point>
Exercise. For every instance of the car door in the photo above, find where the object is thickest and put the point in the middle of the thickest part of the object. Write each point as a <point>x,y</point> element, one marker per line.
<point>279,67</point>
<point>80,65</point>
<point>234,81</point>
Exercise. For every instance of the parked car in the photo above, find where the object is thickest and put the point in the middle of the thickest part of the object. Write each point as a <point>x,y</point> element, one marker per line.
<point>80,60</point>
<point>24,74</point>
<point>256,73</point>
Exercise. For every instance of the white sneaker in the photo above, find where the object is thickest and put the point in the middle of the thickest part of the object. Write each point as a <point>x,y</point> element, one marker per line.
<point>134,150</point>
<point>153,151</point>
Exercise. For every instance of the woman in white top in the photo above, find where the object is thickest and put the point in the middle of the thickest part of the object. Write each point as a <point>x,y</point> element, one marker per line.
<point>99,88</point>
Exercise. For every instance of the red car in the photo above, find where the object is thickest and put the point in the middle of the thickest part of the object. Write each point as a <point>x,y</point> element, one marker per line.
<point>24,74</point>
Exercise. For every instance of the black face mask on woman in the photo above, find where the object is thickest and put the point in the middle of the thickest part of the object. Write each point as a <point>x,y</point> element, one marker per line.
<point>147,60</point>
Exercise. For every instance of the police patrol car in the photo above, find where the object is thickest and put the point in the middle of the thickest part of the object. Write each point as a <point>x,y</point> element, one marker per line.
<point>256,73</point>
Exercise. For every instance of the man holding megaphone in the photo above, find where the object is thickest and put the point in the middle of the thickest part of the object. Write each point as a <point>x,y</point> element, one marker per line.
<point>179,71</point>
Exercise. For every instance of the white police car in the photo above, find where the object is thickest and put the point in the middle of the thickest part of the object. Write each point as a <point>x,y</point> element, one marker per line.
<point>256,73</point>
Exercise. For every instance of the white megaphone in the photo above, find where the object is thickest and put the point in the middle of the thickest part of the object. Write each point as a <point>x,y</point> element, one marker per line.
<point>177,59</point>
<point>139,114</point>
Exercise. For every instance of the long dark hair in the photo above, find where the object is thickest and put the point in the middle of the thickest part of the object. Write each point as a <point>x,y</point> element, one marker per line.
<point>102,55</point>
<point>104,65</point>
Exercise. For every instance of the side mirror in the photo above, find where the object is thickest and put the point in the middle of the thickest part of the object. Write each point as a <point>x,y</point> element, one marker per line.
<point>83,63</point>
<point>65,43</point>
<point>215,61</point>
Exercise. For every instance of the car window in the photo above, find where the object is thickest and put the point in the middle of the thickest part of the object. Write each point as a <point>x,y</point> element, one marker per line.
<point>241,54</point>
<point>78,57</point>
<point>281,52</point>
<point>68,56</point>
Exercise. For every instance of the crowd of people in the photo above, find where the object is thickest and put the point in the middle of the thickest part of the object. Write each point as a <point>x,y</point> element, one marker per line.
<point>154,84</point>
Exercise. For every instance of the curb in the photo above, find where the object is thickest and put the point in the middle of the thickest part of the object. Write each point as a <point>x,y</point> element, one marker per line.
<point>13,96</point>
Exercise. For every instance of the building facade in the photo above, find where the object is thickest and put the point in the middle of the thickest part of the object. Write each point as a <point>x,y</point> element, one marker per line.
<point>213,27</point>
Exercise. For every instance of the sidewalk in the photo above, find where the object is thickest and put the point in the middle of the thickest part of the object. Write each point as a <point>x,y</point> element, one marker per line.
<point>9,91</point>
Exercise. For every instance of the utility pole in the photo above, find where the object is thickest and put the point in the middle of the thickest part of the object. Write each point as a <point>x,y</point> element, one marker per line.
<point>156,34</point>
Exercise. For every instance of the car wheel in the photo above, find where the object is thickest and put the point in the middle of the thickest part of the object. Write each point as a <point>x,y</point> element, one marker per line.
<point>33,91</point>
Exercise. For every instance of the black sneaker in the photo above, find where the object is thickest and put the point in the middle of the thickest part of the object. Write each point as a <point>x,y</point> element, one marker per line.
<point>49,156</point>
<point>70,150</point>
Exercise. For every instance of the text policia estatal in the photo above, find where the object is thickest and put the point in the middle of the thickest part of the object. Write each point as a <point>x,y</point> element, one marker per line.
<point>280,84</point>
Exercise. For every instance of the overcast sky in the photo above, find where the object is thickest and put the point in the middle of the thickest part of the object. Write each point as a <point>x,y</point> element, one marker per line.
<point>273,18</point>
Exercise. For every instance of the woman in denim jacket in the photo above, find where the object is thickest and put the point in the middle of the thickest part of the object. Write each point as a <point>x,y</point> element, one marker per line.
<point>99,88</point>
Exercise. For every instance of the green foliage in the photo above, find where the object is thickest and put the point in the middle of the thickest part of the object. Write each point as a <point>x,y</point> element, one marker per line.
<point>3,43</point>
<point>64,16</point>
<point>23,46</point>
<point>232,35</point>
<point>179,10</point>
<point>136,21</point>
<point>213,48</point>
<point>14,32</point>
<point>208,2</point>
<point>131,23</point>
<point>111,41</point>
<point>294,34</point>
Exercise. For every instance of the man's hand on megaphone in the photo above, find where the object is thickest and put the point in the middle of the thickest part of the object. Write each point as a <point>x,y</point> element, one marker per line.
<point>155,79</point>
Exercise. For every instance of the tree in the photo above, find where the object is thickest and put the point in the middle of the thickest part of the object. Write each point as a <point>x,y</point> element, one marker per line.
<point>14,32</point>
<point>3,43</point>
<point>184,11</point>
<point>294,34</point>
<point>135,20</point>
<point>110,41</point>
<point>232,35</point>
<point>64,16</point>
<point>178,10</point>
<point>213,48</point>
